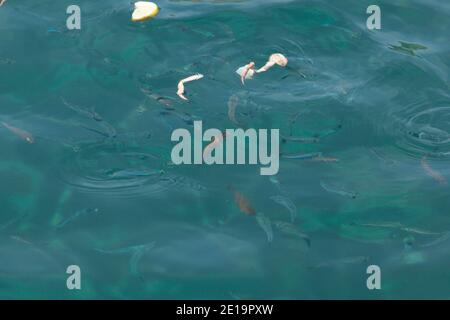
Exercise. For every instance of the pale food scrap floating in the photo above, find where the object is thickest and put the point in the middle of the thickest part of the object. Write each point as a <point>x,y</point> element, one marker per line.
<point>180,91</point>
<point>144,10</point>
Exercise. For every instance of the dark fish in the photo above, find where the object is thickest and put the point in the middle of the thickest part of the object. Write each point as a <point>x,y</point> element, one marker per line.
<point>89,113</point>
<point>7,61</point>
<point>292,230</point>
<point>233,102</point>
<point>160,99</point>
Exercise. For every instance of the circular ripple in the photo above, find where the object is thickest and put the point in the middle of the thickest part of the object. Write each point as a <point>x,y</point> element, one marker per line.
<point>424,130</point>
<point>113,170</point>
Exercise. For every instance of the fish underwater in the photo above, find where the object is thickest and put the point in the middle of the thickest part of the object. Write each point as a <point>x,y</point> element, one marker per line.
<point>433,173</point>
<point>242,202</point>
<point>137,252</point>
<point>19,132</point>
<point>408,48</point>
<point>338,189</point>
<point>265,224</point>
<point>77,215</point>
<point>341,262</point>
<point>232,104</point>
<point>397,226</point>
<point>292,230</point>
<point>287,203</point>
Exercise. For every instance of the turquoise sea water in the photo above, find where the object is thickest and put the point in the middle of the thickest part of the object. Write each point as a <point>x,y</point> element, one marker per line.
<point>96,188</point>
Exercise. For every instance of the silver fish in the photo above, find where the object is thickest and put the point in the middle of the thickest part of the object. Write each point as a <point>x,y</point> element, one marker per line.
<point>343,261</point>
<point>290,229</point>
<point>338,190</point>
<point>265,224</point>
<point>137,252</point>
<point>77,215</point>
<point>19,132</point>
<point>445,236</point>
<point>301,156</point>
<point>89,113</point>
<point>299,139</point>
<point>287,203</point>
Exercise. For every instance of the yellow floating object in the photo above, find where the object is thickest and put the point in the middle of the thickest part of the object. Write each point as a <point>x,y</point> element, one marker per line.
<point>144,10</point>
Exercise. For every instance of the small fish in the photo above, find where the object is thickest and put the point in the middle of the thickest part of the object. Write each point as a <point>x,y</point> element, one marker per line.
<point>300,139</point>
<point>277,184</point>
<point>53,30</point>
<point>7,61</point>
<point>242,202</point>
<point>11,222</point>
<point>265,224</point>
<point>445,236</point>
<point>137,252</point>
<point>338,190</point>
<point>21,240</point>
<point>329,132</point>
<point>104,134</point>
<point>2,2</point>
<point>132,173</point>
<point>301,156</point>
<point>382,157</point>
<point>162,100</point>
<point>420,231</point>
<point>287,203</point>
<point>20,133</point>
<point>84,112</point>
<point>343,261</point>
<point>291,229</point>
<point>110,130</point>
<point>406,47</point>
<point>180,91</point>
<point>321,158</point>
<point>77,215</point>
<point>392,225</point>
<point>433,173</point>
<point>232,105</point>
<point>397,226</point>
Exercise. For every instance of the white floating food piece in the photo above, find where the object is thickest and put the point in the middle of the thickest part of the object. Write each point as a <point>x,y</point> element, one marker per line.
<point>276,58</point>
<point>249,75</point>
<point>246,72</point>
<point>180,91</point>
<point>144,10</point>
